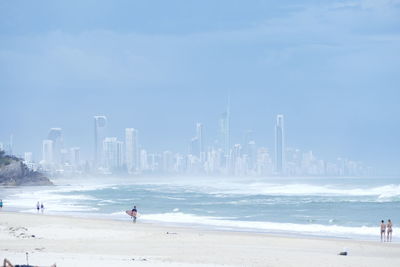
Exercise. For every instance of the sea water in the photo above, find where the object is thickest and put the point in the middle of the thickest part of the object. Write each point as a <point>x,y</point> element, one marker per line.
<point>324,207</point>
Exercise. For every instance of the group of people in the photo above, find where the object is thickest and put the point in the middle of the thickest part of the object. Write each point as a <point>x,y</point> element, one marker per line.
<point>39,207</point>
<point>386,231</point>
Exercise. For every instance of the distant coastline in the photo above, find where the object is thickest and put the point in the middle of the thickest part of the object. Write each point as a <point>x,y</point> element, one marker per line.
<point>14,172</point>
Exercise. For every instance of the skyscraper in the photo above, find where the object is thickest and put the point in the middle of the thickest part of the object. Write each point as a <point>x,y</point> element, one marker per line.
<point>55,134</point>
<point>47,152</point>
<point>224,131</point>
<point>167,162</point>
<point>144,164</point>
<point>112,153</point>
<point>131,149</point>
<point>251,152</point>
<point>279,144</point>
<point>194,147</point>
<point>75,156</point>
<point>100,126</point>
<point>200,138</point>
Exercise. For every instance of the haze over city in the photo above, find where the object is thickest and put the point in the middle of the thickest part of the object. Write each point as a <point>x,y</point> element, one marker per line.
<point>258,132</point>
<point>329,68</point>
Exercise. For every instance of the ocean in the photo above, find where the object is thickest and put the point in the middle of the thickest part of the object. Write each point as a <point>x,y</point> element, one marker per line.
<point>323,207</point>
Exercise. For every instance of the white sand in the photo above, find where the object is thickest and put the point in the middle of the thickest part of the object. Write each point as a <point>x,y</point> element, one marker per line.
<point>93,242</point>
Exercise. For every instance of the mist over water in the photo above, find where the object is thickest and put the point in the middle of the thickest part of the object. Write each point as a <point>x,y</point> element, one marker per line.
<point>345,207</point>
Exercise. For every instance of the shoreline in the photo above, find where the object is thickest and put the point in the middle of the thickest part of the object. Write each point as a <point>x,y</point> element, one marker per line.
<point>102,201</point>
<point>70,240</point>
<point>205,227</point>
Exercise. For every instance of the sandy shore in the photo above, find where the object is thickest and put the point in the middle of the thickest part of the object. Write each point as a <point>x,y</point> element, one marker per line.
<point>94,242</point>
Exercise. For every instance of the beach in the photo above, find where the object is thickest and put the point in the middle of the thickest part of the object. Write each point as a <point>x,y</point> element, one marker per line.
<point>71,241</point>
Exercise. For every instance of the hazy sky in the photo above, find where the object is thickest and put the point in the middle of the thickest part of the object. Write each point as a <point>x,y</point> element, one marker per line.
<point>331,67</point>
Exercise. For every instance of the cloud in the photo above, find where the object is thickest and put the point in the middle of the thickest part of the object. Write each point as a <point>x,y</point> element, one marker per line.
<point>299,43</point>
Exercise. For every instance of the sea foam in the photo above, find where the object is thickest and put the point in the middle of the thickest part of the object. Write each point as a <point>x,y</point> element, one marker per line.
<point>272,227</point>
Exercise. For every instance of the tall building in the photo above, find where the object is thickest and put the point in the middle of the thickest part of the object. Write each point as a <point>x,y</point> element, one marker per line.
<point>100,126</point>
<point>251,152</point>
<point>224,128</point>
<point>75,156</point>
<point>236,166</point>
<point>167,162</point>
<point>131,150</point>
<point>64,157</point>
<point>264,162</point>
<point>47,152</point>
<point>120,154</point>
<point>144,164</point>
<point>194,147</point>
<point>55,134</point>
<point>113,157</point>
<point>136,149</point>
<point>279,145</point>
<point>200,138</point>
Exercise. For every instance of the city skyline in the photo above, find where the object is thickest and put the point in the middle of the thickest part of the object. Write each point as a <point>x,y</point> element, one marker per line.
<point>259,132</point>
<point>127,156</point>
<point>329,67</point>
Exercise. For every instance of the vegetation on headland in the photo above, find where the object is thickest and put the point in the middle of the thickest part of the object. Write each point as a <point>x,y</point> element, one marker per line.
<point>6,159</point>
<point>14,172</point>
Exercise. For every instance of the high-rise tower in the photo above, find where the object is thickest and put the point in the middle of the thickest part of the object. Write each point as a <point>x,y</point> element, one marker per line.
<point>75,156</point>
<point>100,126</point>
<point>279,144</point>
<point>224,128</point>
<point>47,152</point>
<point>131,149</point>
<point>200,138</point>
<point>113,157</point>
<point>55,135</point>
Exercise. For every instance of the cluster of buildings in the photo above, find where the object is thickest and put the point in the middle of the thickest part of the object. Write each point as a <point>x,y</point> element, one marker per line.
<point>114,156</point>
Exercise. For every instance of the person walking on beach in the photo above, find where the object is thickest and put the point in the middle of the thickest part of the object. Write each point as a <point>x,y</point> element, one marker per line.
<point>37,206</point>
<point>134,214</point>
<point>1,203</point>
<point>389,231</point>
<point>383,231</point>
<point>42,207</point>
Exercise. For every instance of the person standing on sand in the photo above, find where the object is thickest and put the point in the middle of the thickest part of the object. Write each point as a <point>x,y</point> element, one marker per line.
<point>134,214</point>
<point>42,207</point>
<point>389,231</point>
<point>1,203</point>
<point>383,230</point>
<point>38,206</point>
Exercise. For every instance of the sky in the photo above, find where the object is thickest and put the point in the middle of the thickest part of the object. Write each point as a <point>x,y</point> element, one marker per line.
<point>331,67</point>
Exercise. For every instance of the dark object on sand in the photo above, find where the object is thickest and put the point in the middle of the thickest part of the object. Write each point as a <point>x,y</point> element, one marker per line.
<point>171,233</point>
<point>344,253</point>
<point>7,263</point>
